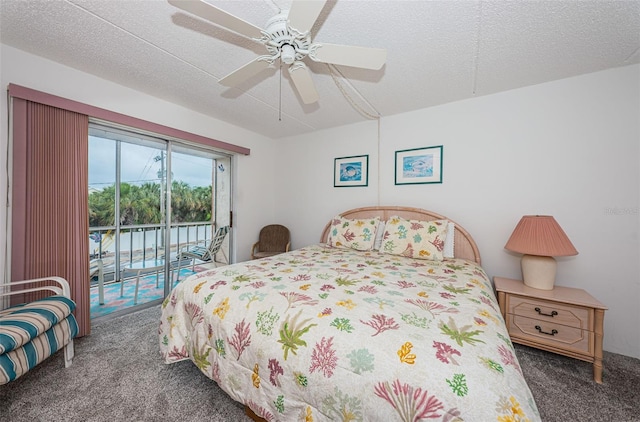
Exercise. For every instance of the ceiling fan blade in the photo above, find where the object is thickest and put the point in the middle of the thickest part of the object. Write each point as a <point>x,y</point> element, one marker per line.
<point>301,78</point>
<point>348,55</point>
<point>303,14</point>
<point>248,70</point>
<point>218,16</point>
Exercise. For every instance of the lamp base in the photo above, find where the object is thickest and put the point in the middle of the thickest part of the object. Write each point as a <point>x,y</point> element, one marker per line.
<point>539,272</point>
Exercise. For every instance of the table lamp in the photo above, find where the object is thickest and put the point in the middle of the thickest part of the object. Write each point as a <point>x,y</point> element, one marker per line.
<point>539,238</point>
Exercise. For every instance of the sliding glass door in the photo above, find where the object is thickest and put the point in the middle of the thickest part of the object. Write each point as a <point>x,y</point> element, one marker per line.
<point>148,199</point>
<point>200,203</point>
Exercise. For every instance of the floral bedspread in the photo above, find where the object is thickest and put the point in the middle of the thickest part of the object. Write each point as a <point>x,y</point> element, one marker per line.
<point>322,334</point>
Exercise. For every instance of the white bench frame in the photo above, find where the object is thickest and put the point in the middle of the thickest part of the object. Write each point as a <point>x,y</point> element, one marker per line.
<point>63,289</point>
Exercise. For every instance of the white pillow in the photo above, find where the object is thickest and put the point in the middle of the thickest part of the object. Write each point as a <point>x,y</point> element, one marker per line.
<point>449,241</point>
<point>377,244</point>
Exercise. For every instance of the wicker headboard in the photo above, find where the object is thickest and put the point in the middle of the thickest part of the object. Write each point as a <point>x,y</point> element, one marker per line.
<point>464,245</point>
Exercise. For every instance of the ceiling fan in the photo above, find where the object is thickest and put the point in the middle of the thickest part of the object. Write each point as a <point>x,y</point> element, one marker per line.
<point>287,37</point>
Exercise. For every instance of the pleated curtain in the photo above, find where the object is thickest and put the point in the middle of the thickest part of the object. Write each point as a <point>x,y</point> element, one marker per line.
<point>49,210</point>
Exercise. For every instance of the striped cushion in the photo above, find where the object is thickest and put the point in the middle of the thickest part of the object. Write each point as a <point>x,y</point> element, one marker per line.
<point>21,324</point>
<point>17,362</point>
<point>199,251</point>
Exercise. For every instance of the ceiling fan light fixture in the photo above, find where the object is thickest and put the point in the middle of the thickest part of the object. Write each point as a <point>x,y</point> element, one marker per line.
<point>287,54</point>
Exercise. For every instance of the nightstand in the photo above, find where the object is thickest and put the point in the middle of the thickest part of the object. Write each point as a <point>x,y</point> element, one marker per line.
<point>564,320</point>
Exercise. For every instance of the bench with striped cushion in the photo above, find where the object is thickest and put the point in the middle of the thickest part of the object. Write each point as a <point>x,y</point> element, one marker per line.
<point>32,332</point>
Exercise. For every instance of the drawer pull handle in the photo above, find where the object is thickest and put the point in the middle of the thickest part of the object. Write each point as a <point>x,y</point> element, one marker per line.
<point>552,314</point>
<point>552,333</point>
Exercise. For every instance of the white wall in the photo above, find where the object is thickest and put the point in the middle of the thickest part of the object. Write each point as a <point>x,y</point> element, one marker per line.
<point>568,148</point>
<point>254,176</point>
<point>307,198</point>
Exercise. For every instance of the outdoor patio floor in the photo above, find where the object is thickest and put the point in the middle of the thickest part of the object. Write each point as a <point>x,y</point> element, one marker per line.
<point>147,292</point>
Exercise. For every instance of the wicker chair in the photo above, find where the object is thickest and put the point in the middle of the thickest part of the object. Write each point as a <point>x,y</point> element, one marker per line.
<point>274,239</point>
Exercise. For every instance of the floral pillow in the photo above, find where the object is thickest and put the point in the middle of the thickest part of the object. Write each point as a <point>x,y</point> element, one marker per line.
<point>353,234</point>
<point>414,238</point>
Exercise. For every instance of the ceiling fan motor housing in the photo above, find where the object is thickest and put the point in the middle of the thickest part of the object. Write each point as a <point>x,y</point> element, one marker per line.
<point>284,41</point>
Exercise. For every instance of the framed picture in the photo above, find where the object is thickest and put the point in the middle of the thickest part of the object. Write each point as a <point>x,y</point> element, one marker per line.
<point>351,171</point>
<point>419,165</point>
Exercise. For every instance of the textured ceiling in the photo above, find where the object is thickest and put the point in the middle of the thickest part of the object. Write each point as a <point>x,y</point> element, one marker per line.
<point>438,52</point>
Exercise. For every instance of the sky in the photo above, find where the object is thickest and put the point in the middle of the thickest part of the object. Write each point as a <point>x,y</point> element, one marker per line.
<point>139,165</point>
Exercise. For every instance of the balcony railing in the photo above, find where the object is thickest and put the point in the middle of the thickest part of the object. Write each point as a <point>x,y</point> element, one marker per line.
<point>142,242</point>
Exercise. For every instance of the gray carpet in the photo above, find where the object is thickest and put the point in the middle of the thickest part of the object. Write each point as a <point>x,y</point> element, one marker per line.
<point>117,375</point>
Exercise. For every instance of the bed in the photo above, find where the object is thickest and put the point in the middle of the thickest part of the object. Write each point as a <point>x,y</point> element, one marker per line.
<point>341,331</point>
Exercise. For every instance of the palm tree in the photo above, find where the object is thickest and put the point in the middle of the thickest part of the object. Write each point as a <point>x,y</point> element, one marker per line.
<point>101,207</point>
<point>141,204</point>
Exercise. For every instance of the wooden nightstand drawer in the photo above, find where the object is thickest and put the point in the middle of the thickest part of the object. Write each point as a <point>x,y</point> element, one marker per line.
<point>555,335</point>
<point>564,320</point>
<point>553,312</point>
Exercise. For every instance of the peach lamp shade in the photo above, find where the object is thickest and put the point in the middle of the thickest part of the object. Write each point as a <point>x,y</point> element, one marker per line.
<point>539,238</point>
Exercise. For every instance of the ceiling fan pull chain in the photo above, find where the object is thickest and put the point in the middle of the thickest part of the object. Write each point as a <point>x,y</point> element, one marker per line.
<point>280,99</point>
